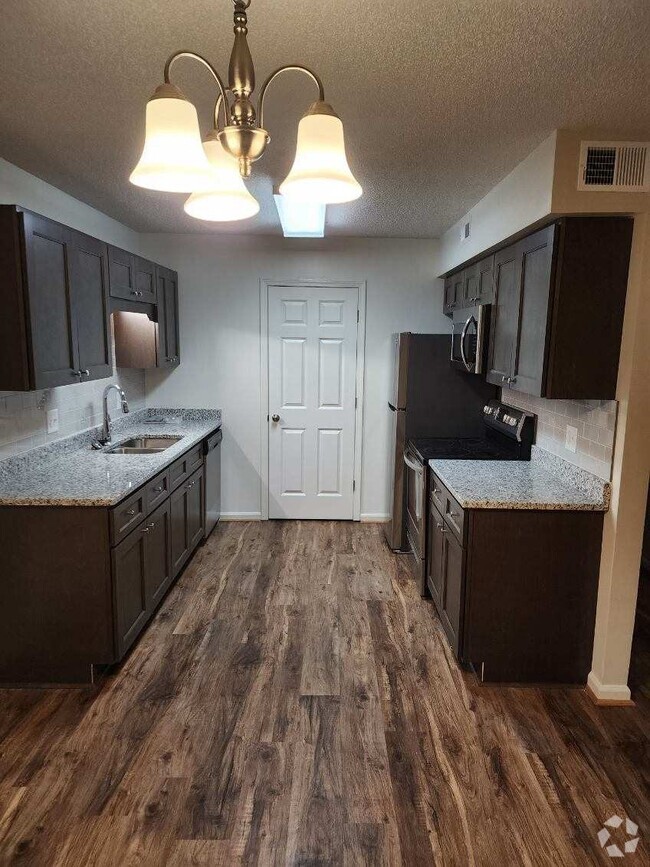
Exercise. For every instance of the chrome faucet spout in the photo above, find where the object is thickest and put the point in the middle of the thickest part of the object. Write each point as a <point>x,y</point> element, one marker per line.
<point>106,426</point>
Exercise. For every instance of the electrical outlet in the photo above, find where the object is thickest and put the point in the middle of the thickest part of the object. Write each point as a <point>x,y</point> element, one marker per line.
<point>52,420</point>
<point>571,438</point>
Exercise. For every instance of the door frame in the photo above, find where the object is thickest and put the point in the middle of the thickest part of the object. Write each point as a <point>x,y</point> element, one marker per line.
<point>310,283</point>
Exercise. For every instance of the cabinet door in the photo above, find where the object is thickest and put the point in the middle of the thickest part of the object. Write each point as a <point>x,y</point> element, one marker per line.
<point>145,280</point>
<point>535,261</point>
<point>158,572</point>
<point>121,270</point>
<point>453,586</point>
<point>168,349</point>
<point>195,509</point>
<point>55,358</point>
<point>129,588</point>
<point>89,288</point>
<point>434,556</point>
<point>471,285</point>
<point>505,316</point>
<point>485,293</point>
<point>454,288</point>
<point>180,547</point>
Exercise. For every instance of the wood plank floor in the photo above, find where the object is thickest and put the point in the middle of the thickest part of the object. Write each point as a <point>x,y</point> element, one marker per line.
<point>295,702</point>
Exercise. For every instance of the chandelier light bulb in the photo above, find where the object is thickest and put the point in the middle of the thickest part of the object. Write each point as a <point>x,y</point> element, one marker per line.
<point>227,198</point>
<point>320,172</point>
<point>173,159</point>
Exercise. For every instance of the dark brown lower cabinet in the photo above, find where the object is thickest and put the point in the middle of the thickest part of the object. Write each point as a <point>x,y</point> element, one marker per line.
<point>187,519</point>
<point>141,575</point>
<point>516,589</point>
<point>79,597</point>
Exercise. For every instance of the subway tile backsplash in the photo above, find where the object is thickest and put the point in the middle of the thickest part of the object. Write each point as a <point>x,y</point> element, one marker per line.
<point>23,415</point>
<point>595,421</point>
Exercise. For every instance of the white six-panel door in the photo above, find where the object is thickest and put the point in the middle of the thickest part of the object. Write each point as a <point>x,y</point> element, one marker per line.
<point>312,383</point>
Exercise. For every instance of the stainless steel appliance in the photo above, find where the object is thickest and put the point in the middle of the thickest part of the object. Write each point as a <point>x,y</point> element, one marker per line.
<point>212,481</point>
<point>469,338</point>
<point>429,398</point>
<point>508,434</point>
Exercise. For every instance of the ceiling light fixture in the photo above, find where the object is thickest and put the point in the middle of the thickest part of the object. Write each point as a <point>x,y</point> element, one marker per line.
<point>300,219</point>
<point>174,160</point>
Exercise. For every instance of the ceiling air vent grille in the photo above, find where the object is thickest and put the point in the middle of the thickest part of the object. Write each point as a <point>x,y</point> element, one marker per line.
<point>614,166</point>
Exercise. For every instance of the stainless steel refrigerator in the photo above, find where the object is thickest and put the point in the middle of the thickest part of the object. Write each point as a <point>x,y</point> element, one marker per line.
<point>430,398</point>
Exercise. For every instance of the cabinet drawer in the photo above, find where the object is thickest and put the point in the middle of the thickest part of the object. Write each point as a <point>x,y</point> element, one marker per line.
<point>183,468</point>
<point>127,515</point>
<point>438,495</point>
<point>447,505</point>
<point>455,517</point>
<point>157,490</point>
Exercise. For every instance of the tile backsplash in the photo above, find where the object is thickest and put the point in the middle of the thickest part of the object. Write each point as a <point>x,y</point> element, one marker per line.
<point>23,415</point>
<point>595,421</point>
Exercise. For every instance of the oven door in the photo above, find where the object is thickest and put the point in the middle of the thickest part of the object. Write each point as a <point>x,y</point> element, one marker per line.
<point>468,339</point>
<point>415,500</point>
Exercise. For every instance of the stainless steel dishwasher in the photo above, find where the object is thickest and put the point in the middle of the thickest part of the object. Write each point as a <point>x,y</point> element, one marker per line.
<point>212,448</point>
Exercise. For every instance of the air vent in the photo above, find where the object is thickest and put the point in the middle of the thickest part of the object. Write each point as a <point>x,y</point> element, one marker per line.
<point>614,166</point>
<point>465,231</point>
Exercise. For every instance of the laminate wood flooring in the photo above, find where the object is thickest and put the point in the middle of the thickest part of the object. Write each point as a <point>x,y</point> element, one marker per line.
<point>295,702</point>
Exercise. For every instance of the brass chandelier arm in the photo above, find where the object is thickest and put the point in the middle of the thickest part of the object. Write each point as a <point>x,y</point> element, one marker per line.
<point>222,89</point>
<point>274,75</point>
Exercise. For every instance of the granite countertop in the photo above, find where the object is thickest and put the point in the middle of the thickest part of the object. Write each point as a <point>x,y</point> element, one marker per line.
<point>546,482</point>
<point>70,473</point>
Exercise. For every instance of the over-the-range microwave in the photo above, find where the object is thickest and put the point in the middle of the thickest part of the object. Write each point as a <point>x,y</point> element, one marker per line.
<point>469,338</point>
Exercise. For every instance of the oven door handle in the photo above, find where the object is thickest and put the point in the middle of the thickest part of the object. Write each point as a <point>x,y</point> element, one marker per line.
<point>417,468</point>
<point>463,335</point>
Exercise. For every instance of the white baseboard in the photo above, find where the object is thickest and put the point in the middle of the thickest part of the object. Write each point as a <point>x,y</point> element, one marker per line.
<point>373,517</point>
<point>241,516</point>
<point>614,693</point>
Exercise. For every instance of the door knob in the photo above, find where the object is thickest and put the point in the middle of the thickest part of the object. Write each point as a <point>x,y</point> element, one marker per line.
<point>275,417</point>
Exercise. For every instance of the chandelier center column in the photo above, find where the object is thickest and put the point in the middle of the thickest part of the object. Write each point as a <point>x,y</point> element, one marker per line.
<point>241,72</point>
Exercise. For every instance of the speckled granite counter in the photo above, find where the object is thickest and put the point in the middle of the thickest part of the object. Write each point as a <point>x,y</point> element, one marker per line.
<point>70,473</point>
<point>545,482</point>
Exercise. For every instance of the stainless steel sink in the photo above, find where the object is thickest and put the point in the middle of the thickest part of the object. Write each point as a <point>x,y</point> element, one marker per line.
<point>142,445</point>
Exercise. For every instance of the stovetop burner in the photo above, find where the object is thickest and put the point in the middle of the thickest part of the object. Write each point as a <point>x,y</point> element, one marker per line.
<point>509,433</point>
<point>478,449</point>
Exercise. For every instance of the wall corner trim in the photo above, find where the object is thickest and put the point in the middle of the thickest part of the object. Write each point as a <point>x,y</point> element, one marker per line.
<point>617,694</point>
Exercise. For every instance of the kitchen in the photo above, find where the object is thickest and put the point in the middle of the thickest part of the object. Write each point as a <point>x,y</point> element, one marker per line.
<point>304,652</point>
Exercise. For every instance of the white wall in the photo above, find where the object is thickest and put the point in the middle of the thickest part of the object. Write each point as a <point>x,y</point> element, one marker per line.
<point>220,336</point>
<point>519,200</point>
<point>18,187</point>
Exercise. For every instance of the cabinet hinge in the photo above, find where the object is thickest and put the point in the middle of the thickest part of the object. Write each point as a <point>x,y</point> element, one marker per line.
<point>355,402</point>
<point>354,484</point>
<point>357,314</point>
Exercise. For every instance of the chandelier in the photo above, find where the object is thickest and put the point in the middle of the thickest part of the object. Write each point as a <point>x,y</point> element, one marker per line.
<point>175,160</point>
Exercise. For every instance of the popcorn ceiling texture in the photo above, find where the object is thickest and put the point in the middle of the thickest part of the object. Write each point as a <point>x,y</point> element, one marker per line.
<point>440,100</point>
<point>594,419</point>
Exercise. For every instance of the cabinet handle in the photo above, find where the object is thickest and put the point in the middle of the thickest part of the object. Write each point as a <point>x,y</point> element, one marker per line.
<point>152,525</point>
<point>436,491</point>
<point>145,529</point>
<point>512,380</point>
<point>442,528</point>
<point>131,513</point>
<point>158,490</point>
<point>84,372</point>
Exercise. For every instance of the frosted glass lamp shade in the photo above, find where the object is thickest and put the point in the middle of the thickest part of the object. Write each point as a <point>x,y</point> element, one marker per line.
<point>320,172</point>
<point>227,198</point>
<point>173,159</point>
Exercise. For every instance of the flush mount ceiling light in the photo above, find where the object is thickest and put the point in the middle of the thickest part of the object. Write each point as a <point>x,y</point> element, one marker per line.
<point>175,160</point>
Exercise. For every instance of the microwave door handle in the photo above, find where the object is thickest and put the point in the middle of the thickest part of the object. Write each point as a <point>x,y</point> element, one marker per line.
<point>463,335</point>
<point>417,468</point>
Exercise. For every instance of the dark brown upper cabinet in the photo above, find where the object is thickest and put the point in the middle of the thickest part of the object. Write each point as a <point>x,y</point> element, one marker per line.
<point>168,349</point>
<point>131,277</point>
<point>558,299</point>
<point>54,328</point>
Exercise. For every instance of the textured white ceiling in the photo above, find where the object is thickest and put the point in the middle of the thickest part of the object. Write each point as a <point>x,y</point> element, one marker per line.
<point>440,98</point>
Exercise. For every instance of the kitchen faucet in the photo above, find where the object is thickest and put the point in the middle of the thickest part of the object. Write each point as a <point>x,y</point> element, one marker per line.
<point>106,426</point>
